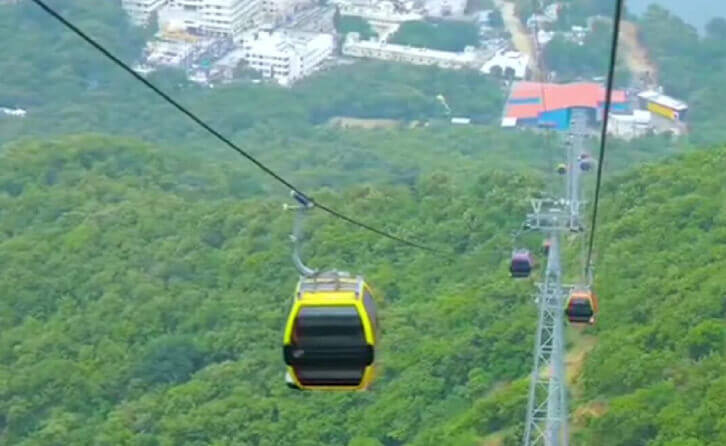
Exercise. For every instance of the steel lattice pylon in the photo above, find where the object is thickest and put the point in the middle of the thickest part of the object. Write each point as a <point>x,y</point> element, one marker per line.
<point>547,413</point>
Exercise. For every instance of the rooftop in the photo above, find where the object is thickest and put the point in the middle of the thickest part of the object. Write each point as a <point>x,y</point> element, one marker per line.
<point>285,40</point>
<point>466,56</point>
<point>529,99</point>
<point>660,98</point>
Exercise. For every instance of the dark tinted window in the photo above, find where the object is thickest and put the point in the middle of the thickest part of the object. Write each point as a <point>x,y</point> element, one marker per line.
<point>328,327</point>
<point>580,308</point>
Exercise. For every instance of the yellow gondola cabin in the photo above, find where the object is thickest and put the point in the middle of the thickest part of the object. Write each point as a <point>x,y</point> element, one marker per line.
<point>331,333</point>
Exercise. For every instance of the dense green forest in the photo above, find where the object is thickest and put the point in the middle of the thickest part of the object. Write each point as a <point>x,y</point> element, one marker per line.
<point>67,87</point>
<point>161,296</point>
<point>571,61</point>
<point>659,363</point>
<point>145,281</point>
<point>691,68</point>
<point>576,12</point>
<point>144,300</point>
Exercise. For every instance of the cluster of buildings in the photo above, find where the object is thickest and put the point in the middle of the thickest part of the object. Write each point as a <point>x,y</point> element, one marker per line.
<point>286,40</point>
<point>654,112</point>
<point>491,56</point>
<point>633,113</point>
<point>213,39</point>
<point>355,47</point>
<point>545,105</point>
<point>224,18</point>
<point>492,61</point>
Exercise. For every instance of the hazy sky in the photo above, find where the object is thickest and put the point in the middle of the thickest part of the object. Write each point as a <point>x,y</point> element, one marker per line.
<point>695,12</point>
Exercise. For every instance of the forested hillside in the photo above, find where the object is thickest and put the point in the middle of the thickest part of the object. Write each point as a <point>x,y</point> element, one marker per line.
<point>690,67</point>
<point>145,270</point>
<point>143,308</point>
<point>144,303</point>
<point>659,362</point>
<point>68,88</point>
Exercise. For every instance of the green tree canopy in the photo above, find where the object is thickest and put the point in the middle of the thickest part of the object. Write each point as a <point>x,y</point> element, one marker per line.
<point>438,35</point>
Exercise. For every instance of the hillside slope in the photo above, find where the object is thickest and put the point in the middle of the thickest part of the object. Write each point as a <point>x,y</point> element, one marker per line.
<point>659,362</point>
<point>657,374</point>
<point>144,300</point>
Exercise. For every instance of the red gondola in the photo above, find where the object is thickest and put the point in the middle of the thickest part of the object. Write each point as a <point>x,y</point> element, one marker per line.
<point>546,247</point>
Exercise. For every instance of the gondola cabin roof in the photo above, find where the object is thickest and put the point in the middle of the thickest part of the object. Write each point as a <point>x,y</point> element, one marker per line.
<point>522,256</point>
<point>330,285</point>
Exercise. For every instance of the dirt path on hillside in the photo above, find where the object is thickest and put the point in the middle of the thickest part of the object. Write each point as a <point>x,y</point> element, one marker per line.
<point>636,56</point>
<point>575,358</point>
<point>521,39</point>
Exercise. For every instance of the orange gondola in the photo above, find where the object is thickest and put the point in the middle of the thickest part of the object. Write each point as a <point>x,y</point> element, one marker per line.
<point>582,307</point>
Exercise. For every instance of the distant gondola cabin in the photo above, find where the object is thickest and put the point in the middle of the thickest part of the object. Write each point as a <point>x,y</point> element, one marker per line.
<point>582,307</point>
<point>522,264</point>
<point>586,164</point>
<point>546,246</point>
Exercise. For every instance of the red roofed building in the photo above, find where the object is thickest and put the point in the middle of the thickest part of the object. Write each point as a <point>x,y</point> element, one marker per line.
<point>550,105</point>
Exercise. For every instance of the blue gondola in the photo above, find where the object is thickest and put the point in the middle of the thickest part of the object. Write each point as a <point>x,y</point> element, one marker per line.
<point>585,162</point>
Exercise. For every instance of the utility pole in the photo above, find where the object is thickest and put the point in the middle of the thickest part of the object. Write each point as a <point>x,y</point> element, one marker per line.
<point>547,413</point>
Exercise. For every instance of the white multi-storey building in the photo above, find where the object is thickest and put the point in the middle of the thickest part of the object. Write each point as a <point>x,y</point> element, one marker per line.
<point>287,56</point>
<point>384,11</point>
<point>278,11</point>
<point>355,47</point>
<point>140,11</point>
<point>443,8</point>
<point>222,18</point>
